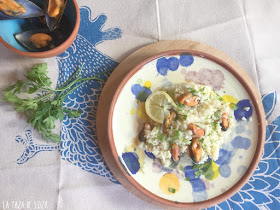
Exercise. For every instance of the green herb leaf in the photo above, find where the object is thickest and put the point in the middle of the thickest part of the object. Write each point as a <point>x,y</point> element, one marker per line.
<point>172,190</point>
<point>216,114</point>
<point>49,122</point>
<point>202,89</point>
<point>197,166</point>
<point>32,90</point>
<point>16,87</point>
<point>214,125</point>
<point>234,106</point>
<point>187,179</point>
<point>73,113</point>
<point>42,111</point>
<point>197,173</point>
<point>201,140</point>
<point>193,91</point>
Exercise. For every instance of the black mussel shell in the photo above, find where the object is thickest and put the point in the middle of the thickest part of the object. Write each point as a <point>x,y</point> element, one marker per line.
<point>53,23</point>
<point>223,127</point>
<point>23,39</point>
<point>32,10</point>
<point>141,136</point>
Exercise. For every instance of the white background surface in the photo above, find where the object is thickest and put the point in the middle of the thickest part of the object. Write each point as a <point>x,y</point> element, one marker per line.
<point>248,31</point>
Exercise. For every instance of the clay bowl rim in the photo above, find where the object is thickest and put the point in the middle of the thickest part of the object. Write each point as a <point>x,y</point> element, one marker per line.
<point>251,90</point>
<point>53,52</point>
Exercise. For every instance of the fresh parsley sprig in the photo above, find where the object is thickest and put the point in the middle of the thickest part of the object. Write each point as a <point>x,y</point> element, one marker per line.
<point>41,104</point>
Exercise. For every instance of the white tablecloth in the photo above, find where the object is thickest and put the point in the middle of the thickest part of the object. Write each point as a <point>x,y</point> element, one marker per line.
<point>248,31</point>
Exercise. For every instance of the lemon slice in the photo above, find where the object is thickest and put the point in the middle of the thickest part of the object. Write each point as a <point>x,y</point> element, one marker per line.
<point>158,105</point>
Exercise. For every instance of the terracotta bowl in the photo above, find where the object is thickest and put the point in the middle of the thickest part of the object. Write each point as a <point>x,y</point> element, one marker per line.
<point>239,154</point>
<point>12,27</point>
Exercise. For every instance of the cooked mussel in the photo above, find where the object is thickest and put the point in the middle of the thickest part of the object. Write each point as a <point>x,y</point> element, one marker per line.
<point>196,130</point>
<point>175,152</point>
<point>142,136</point>
<point>11,9</point>
<point>188,99</point>
<point>194,150</point>
<point>40,39</point>
<point>54,10</point>
<point>225,122</point>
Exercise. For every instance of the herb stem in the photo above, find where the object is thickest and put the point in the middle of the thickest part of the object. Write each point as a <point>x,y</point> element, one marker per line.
<point>72,76</point>
<point>82,80</point>
<point>71,90</point>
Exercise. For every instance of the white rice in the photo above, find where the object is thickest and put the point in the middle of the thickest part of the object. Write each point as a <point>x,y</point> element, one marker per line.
<point>207,115</point>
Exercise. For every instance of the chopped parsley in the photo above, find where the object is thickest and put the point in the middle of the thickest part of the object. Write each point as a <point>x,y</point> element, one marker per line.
<point>197,166</point>
<point>202,90</point>
<point>182,168</point>
<point>201,140</point>
<point>234,106</point>
<point>203,169</point>
<point>192,91</point>
<point>188,142</point>
<point>187,179</point>
<point>176,135</point>
<point>216,113</point>
<point>220,99</point>
<point>214,125</point>
<point>180,107</point>
<point>198,173</point>
<point>185,117</point>
<point>161,137</point>
<point>172,190</point>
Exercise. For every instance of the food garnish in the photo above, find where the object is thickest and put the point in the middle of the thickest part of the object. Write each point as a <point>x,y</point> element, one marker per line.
<point>172,190</point>
<point>157,105</point>
<point>41,104</point>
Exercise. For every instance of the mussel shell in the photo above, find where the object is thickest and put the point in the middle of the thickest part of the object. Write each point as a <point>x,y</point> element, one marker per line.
<point>23,39</point>
<point>53,23</point>
<point>141,136</point>
<point>32,10</point>
<point>223,128</point>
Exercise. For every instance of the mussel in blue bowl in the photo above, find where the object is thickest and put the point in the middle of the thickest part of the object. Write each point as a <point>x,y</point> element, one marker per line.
<point>38,28</point>
<point>11,9</point>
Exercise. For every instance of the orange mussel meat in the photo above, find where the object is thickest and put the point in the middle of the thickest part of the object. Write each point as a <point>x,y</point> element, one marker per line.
<point>11,8</point>
<point>188,99</point>
<point>197,131</point>
<point>54,7</point>
<point>40,40</point>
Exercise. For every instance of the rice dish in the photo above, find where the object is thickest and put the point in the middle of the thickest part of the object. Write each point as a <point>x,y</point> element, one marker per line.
<point>196,126</point>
